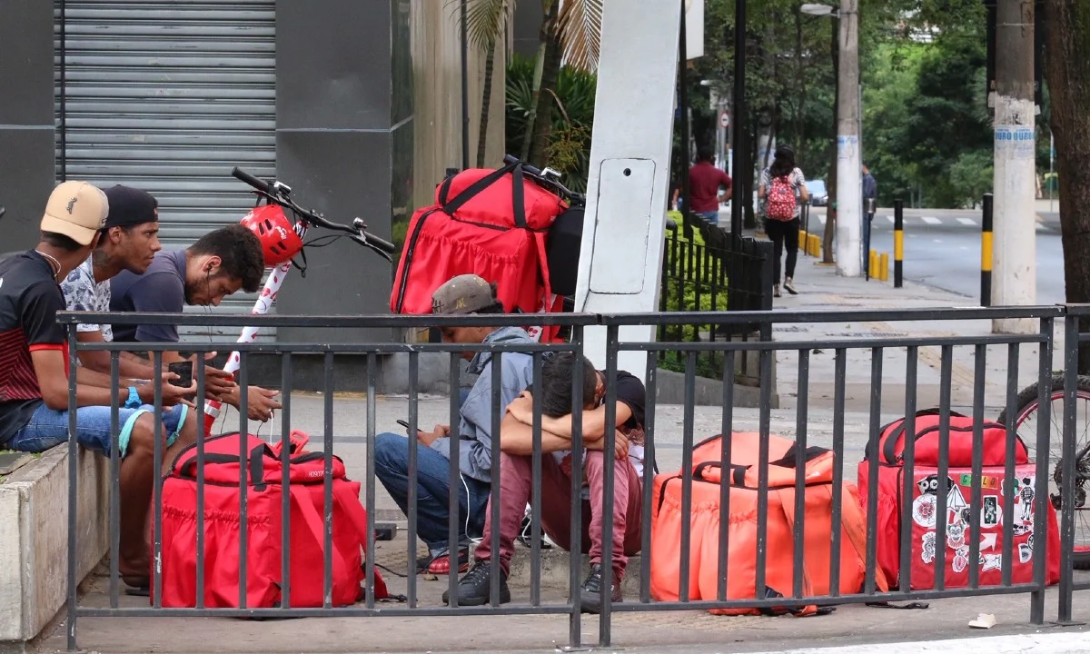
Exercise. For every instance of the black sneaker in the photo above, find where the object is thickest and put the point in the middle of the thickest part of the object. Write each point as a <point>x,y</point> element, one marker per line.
<point>591,593</point>
<point>473,589</point>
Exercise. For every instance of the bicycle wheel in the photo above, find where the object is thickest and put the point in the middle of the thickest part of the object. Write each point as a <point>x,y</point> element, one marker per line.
<point>1026,424</point>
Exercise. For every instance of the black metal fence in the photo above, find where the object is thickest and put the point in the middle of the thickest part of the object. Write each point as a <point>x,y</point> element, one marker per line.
<point>713,275</point>
<point>877,349</point>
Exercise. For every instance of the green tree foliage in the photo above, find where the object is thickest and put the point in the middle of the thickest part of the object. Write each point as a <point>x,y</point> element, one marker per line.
<point>926,125</point>
<point>568,149</point>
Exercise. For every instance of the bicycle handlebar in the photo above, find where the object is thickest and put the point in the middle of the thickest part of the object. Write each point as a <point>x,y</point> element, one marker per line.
<point>259,184</point>
<point>357,231</point>
<point>543,178</point>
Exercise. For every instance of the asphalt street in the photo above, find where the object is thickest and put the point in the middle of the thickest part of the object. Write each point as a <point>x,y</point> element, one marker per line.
<point>942,249</point>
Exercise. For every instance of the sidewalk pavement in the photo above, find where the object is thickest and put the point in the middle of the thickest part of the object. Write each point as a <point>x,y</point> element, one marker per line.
<point>683,631</point>
<point>821,289</point>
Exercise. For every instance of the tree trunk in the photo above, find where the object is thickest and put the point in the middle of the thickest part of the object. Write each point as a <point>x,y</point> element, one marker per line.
<point>800,104</point>
<point>1068,49</point>
<point>539,64</point>
<point>830,187</point>
<point>550,73</point>
<point>486,100</point>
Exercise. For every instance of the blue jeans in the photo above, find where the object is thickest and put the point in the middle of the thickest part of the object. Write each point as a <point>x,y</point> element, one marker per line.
<point>711,216</point>
<point>48,428</point>
<point>432,491</point>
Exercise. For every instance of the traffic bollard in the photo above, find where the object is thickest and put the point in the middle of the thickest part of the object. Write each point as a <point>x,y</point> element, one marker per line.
<point>986,253</point>
<point>883,267</point>
<point>898,242</point>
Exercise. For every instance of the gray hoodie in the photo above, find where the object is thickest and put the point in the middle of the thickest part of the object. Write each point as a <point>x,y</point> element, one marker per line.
<point>475,446</point>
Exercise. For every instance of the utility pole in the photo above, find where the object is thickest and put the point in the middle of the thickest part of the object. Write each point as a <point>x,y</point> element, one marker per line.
<point>1015,266</point>
<point>849,164</point>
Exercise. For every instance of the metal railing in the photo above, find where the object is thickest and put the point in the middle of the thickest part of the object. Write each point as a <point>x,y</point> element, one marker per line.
<point>714,275</point>
<point>658,437</point>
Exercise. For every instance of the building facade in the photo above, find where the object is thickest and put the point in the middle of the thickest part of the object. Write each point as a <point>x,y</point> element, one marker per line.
<point>356,104</point>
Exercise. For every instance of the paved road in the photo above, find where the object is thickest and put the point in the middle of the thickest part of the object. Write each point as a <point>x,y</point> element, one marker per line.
<point>942,249</point>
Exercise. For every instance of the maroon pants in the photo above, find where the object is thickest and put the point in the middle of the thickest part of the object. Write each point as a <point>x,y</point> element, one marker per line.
<point>516,484</point>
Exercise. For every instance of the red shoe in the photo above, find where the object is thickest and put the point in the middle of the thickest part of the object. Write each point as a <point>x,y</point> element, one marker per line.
<point>440,564</point>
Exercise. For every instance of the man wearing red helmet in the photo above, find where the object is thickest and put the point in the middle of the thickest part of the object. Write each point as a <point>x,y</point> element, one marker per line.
<point>220,263</point>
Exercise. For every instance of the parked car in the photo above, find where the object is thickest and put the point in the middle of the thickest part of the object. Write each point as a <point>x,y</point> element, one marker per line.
<point>819,195</point>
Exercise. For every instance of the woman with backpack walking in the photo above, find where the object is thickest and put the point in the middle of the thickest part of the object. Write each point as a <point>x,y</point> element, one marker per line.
<point>782,187</point>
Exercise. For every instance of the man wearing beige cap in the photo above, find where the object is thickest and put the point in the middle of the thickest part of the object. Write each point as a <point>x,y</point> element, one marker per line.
<point>34,367</point>
<point>462,295</point>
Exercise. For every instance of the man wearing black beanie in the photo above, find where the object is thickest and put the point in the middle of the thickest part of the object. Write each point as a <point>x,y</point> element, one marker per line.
<point>129,241</point>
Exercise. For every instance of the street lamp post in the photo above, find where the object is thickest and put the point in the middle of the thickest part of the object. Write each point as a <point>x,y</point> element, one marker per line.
<point>849,163</point>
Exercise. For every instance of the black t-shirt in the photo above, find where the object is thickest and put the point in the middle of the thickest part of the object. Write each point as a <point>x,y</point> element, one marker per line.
<point>631,392</point>
<point>29,301</point>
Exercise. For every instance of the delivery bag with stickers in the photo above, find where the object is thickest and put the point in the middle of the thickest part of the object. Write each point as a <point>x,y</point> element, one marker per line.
<point>925,526</point>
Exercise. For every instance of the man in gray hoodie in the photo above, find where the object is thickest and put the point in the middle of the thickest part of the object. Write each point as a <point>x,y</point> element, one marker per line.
<point>462,295</point>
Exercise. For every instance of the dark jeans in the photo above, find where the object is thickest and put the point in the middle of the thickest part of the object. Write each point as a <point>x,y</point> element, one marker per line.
<point>432,491</point>
<point>783,232</point>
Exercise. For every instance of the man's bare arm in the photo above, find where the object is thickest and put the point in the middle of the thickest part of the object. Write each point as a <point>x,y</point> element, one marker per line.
<point>517,438</point>
<point>129,365</point>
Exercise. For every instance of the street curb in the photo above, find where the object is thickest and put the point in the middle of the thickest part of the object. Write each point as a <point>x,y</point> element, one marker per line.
<point>1052,643</point>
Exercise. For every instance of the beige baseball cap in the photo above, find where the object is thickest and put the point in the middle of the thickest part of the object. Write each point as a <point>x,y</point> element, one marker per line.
<point>463,294</point>
<point>77,210</point>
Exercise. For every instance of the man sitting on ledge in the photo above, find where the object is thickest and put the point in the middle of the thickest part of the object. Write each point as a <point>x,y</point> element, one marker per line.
<point>34,368</point>
<point>516,445</point>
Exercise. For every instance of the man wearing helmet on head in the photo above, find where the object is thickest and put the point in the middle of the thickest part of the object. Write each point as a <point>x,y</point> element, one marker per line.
<point>220,263</point>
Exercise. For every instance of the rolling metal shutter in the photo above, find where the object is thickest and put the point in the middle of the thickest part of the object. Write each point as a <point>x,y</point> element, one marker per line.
<point>168,96</point>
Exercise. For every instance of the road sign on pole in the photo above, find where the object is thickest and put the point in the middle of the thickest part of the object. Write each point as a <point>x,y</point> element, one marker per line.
<point>724,119</point>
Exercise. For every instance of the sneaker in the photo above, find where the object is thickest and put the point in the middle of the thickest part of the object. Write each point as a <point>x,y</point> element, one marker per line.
<point>591,593</point>
<point>473,589</point>
<point>789,286</point>
<point>439,564</point>
<point>776,291</point>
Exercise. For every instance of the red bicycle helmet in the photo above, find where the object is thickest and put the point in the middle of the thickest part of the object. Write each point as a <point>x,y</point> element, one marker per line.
<point>278,239</point>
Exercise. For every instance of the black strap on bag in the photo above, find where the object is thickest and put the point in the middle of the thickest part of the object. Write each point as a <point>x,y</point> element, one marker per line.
<point>518,195</point>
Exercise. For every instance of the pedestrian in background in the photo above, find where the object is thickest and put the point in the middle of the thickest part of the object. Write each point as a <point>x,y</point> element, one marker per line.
<point>705,180</point>
<point>782,187</point>
<point>870,187</point>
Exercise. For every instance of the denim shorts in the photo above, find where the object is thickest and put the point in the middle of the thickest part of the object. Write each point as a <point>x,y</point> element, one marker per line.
<point>48,428</point>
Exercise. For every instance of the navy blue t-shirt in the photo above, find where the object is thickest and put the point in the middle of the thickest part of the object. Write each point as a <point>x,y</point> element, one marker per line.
<point>161,289</point>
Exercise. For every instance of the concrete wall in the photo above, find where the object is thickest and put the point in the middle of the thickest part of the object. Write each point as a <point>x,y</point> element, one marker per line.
<point>344,135</point>
<point>26,119</point>
<point>34,537</point>
<point>437,97</point>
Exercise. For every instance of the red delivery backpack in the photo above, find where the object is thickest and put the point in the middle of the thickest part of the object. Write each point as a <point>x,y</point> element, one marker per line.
<point>491,223</point>
<point>223,526</point>
<point>958,489</point>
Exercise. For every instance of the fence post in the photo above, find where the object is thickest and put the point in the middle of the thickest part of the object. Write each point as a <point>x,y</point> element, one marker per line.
<point>765,250</point>
<point>898,242</point>
<point>1067,459</point>
<point>986,253</point>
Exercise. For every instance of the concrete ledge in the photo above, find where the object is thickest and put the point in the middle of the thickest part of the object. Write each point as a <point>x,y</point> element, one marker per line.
<point>34,538</point>
<point>670,389</point>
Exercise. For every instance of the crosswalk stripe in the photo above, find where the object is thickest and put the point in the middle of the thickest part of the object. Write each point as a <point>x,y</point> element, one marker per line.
<point>1041,227</point>
<point>891,219</point>
<point>967,221</point>
<point>821,219</point>
<point>931,220</point>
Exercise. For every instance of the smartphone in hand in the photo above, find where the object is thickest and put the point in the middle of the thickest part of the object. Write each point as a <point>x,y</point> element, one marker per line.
<point>403,424</point>
<point>184,370</point>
